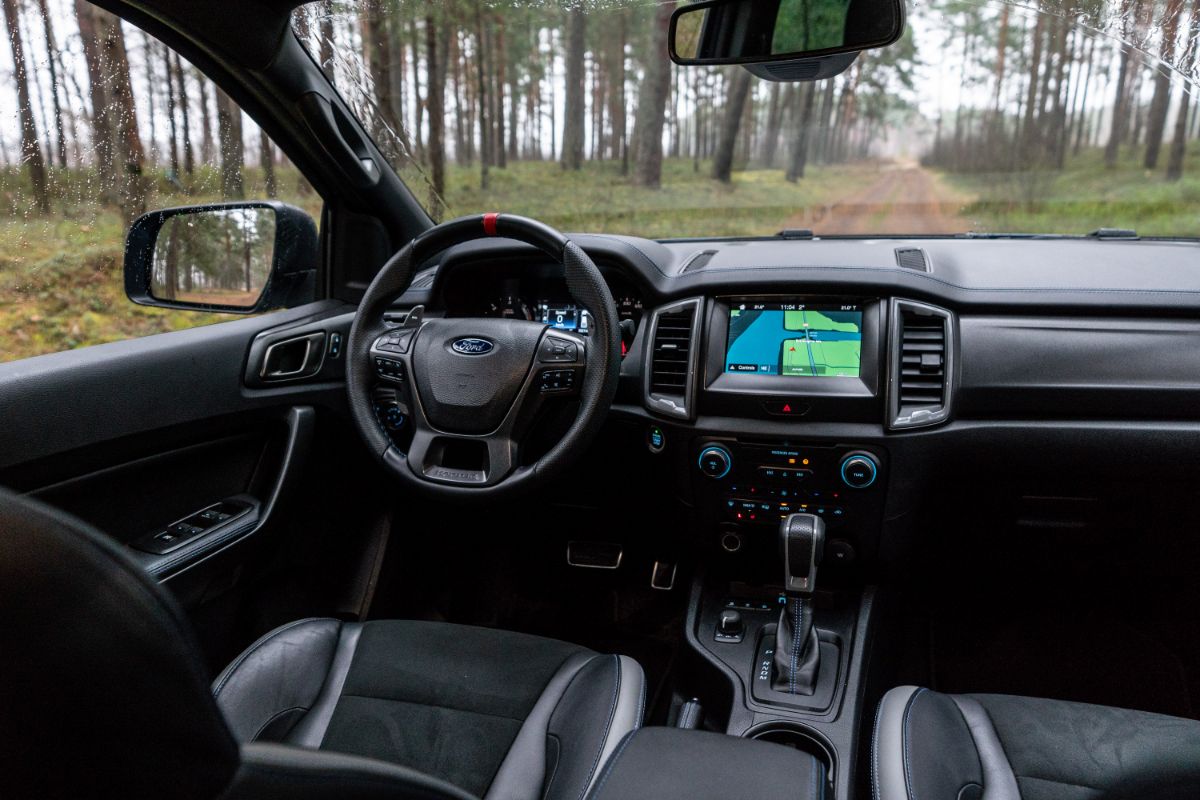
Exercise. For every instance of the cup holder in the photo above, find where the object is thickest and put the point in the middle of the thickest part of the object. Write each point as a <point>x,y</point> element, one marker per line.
<point>798,737</point>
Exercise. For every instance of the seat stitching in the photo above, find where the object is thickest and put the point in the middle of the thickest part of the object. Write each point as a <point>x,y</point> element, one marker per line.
<point>274,717</point>
<point>612,713</point>
<point>431,705</point>
<point>875,790</point>
<point>557,763</point>
<point>637,723</point>
<point>565,692</point>
<point>252,649</point>
<point>612,763</point>
<point>904,739</point>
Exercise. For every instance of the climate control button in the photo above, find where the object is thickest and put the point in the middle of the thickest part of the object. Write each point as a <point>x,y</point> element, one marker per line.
<point>715,461</point>
<point>859,470</point>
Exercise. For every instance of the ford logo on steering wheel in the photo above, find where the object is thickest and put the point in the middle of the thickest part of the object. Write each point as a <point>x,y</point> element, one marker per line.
<point>471,347</point>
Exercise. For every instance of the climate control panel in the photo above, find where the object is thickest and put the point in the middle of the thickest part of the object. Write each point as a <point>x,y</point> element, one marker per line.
<point>754,483</point>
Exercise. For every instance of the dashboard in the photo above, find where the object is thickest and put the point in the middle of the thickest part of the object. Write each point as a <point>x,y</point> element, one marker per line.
<point>834,376</point>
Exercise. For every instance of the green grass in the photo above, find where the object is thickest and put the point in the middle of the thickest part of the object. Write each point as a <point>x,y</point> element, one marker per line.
<point>1085,196</point>
<point>600,199</point>
<point>61,274</point>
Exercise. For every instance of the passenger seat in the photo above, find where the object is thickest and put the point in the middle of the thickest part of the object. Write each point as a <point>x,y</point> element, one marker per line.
<point>932,746</point>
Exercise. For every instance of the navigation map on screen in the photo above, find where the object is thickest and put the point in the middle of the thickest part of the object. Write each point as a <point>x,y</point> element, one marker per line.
<point>794,339</point>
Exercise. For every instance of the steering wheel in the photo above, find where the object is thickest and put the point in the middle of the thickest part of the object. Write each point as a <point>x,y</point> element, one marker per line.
<point>473,387</point>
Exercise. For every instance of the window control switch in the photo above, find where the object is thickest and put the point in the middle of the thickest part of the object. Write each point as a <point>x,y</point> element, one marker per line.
<point>202,522</point>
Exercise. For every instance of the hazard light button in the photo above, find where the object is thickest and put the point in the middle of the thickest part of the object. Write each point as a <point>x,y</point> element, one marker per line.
<point>785,408</point>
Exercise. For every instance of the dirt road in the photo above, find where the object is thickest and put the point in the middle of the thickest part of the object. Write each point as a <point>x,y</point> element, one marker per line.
<point>905,198</point>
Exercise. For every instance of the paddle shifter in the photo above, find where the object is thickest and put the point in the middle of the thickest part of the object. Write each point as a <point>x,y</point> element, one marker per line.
<point>801,542</point>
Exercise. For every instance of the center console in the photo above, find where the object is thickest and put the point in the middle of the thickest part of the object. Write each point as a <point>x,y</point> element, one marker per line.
<point>775,408</point>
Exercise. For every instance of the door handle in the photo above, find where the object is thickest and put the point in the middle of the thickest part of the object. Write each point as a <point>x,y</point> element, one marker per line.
<point>294,358</point>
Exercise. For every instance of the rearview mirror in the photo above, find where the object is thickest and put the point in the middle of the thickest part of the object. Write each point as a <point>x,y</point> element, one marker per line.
<point>764,31</point>
<point>236,257</point>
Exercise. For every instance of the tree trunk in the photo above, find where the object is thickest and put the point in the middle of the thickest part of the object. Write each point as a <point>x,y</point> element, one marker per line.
<point>499,91</point>
<point>1120,111</point>
<point>482,99</point>
<point>436,97</point>
<point>189,162</point>
<point>174,149</point>
<point>652,104</point>
<point>1028,129</point>
<point>1179,141</point>
<point>731,121</point>
<point>803,116</point>
<point>1157,122</point>
<point>60,140</point>
<point>266,161</point>
<point>574,115</point>
<point>31,153</point>
<point>206,139</point>
<point>616,93</point>
<point>102,138</point>
<point>233,150</point>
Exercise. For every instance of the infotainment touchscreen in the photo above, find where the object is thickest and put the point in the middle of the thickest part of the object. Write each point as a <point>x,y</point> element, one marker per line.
<point>794,339</point>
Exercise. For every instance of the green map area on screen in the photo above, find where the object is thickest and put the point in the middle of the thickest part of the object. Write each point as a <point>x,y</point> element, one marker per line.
<point>798,343</point>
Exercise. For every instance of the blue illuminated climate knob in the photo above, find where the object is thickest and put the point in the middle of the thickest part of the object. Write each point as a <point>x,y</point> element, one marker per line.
<point>859,470</point>
<point>715,461</point>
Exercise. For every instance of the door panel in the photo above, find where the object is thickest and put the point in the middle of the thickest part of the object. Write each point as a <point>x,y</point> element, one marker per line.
<point>135,436</point>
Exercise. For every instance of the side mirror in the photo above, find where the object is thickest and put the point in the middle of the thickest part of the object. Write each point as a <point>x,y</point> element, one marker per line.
<point>760,32</point>
<point>242,257</point>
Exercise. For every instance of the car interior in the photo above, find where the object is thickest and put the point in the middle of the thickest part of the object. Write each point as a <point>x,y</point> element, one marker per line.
<point>485,509</point>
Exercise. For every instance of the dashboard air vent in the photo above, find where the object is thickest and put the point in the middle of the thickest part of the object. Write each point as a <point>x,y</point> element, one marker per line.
<point>921,364</point>
<point>672,358</point>
<point>912,258</point>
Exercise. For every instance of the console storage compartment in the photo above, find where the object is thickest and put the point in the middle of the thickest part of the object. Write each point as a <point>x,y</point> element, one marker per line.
<point>677,764</point>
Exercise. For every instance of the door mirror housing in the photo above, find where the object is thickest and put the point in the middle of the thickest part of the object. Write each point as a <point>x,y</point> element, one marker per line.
<point>241,258</point>
<point>781,31</point>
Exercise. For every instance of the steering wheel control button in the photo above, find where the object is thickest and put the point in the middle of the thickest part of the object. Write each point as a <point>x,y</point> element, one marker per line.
<point>715,461</point>
<point>656,440</point>
<point>389,369</point>
<point>553,349</point>
<point>557,380</point>
<point>859,470</point>
<point>393,418</point>
<point>394,342</point>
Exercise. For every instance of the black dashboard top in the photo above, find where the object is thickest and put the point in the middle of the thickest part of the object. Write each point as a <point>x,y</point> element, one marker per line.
<point>997,274</point>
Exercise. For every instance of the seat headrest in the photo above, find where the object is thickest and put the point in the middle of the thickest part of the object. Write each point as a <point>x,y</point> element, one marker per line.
<point>102,689</point>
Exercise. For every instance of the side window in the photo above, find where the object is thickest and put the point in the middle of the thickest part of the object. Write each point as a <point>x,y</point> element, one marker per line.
<point>100,123</point>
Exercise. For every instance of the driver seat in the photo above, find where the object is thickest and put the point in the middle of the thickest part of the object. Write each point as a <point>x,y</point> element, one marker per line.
<point>103,694</point>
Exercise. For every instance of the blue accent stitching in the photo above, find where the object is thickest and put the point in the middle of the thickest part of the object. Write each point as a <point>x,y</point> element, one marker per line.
<point>796,645</point>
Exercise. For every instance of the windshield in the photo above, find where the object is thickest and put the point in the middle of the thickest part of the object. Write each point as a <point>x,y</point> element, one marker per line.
<point>1062,117</point>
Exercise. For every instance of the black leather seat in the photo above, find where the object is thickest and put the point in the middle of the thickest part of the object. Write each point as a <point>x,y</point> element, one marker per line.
<point>102,694</point>
<point>932,746</point>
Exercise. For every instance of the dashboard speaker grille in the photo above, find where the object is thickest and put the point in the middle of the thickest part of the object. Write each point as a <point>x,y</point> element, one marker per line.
<point>912,258</point>
<point>921,365</point>
<point>671,360</point>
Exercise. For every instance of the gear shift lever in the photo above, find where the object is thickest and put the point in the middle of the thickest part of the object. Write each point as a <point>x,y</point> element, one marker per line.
<point>797,650</point>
